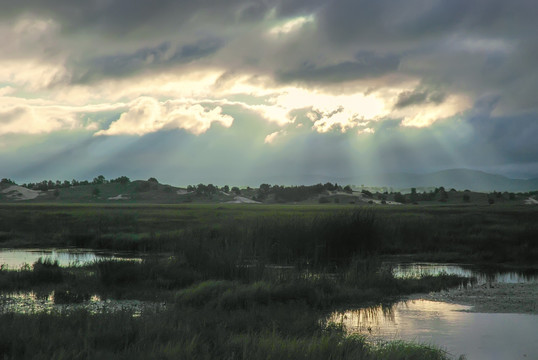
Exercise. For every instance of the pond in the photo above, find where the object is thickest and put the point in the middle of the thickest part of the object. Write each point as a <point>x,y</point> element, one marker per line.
<point>16,258</point>
<point>449,326</point>
<point>482,275</point>
<point>33,303</point>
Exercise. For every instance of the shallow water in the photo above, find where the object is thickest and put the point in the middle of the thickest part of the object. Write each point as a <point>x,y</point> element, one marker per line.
<point>449,326</point>
<point>32,303</point>
<point>17,258</point>
<point>482,275</point>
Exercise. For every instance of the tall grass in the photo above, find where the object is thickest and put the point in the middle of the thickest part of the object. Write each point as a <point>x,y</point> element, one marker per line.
<point>259,333</point>
<point>299,235</point>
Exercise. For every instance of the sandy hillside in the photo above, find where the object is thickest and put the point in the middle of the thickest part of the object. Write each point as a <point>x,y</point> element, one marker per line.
<point>183,192</point>
<point>242,200</point>
<point>119,197</point>
<point>15,192</point>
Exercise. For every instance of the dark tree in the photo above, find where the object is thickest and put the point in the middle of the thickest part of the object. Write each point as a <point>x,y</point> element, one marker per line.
<point>398,197</point>
<point>121,180</point>
<point>99,180</point>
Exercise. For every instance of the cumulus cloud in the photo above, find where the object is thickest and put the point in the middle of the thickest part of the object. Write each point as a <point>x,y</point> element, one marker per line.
<point>29,120</point>
<point>269,139</point>
<point>147,115</point>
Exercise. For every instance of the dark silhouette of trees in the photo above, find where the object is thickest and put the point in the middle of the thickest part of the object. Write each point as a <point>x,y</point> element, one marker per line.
<point>123,180</point>
<point>99,180</point>
<point>398,197</point>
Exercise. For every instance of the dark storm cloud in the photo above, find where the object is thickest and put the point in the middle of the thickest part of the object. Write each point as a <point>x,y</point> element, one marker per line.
<point>119,17</point>
<point>366,65</point>
<point>197,50</point>
<point>254,11</point>
<point>287,8</point>
<point>124,64</point>
<point>160,56</point>
<point>390,20</point>
<point>418,97</point>
<point>475,49</point>
<point>512,137</point>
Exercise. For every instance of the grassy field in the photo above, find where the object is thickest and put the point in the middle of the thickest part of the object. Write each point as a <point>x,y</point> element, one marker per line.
<point>222,299</point>
<point>317,234</point>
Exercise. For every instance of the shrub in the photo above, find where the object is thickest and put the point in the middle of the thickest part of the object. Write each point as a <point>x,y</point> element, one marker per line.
<point>323,200</point>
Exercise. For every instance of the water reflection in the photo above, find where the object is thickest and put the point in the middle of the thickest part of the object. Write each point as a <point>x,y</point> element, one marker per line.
<point>450,326</point>
<point>35,302</point>
<point>482,275</point>
<point>17,258</point>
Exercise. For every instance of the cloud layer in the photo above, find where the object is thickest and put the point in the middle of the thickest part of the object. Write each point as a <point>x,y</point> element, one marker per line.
<point>435,83</point>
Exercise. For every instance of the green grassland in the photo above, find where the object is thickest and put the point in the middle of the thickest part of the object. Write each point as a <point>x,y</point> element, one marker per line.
<point>499,234</point>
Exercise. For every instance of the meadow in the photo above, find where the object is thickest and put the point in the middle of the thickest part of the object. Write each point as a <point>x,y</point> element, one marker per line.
<point>317,234</point>
<point>240,281</point>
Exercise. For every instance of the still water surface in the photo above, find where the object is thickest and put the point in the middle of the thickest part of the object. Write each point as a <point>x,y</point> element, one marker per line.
<point>482,275</point>
<point>34,303</point>
<point>477,335</point>
<point>17,258</point>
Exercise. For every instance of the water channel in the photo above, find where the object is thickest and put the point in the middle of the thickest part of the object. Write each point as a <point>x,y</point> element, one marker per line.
<point>481,274</point>
<point>452,327</point>
<point>449,326</point>
<point>479,336</point>
<point>32,302</point>
<point>15,259</point>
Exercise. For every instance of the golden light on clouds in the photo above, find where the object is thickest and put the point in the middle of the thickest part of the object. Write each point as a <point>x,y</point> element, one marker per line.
<point>146,115</point>
<point>291,25</point>
<point>424,115</point>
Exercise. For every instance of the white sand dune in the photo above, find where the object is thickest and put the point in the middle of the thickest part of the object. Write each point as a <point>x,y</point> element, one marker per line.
<point>183,192</point>
<point>119,197</point>
<point>242,200</point>
<point>18,193</point>
<point>343,193</point>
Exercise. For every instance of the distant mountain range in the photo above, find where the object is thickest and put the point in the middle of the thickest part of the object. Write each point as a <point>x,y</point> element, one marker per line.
<point>459,179</point>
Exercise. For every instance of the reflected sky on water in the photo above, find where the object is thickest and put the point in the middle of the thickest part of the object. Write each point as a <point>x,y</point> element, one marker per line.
<point>483,275</point>
<point>17,258</point>
<point>450,326</point>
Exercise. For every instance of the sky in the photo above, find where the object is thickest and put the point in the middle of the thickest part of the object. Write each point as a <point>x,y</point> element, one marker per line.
<point>281,91</point>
